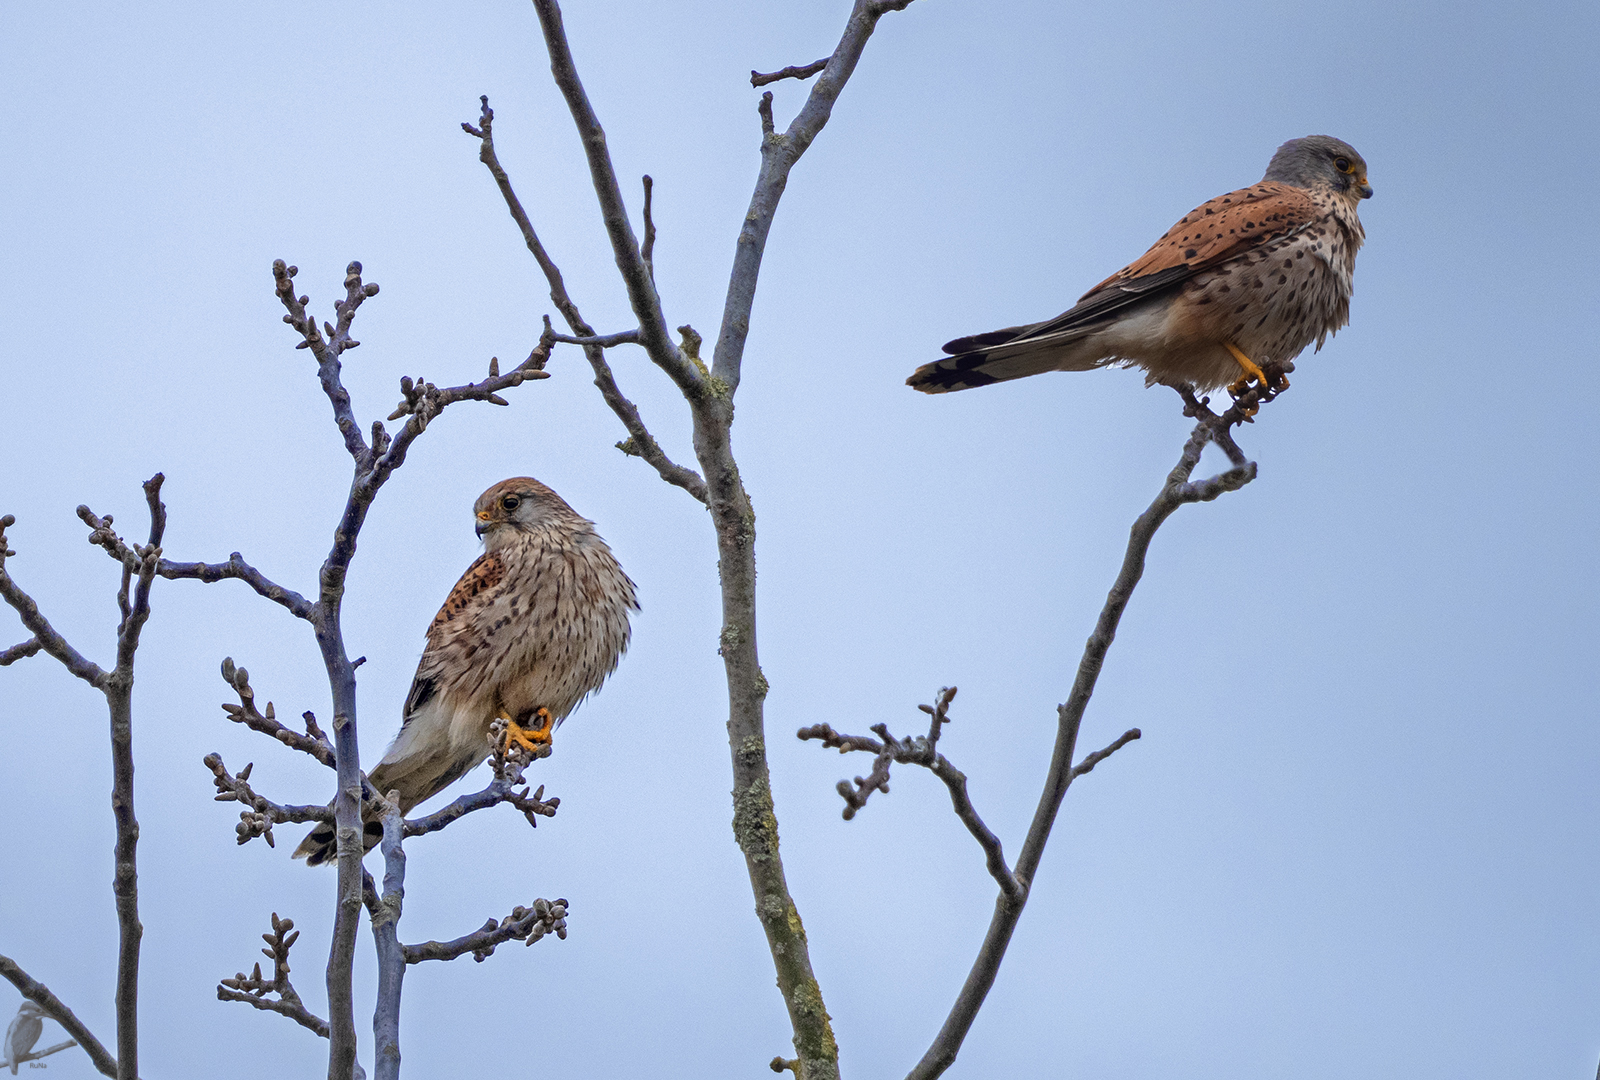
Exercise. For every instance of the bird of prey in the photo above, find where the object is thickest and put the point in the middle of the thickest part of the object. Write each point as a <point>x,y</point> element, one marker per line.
<point>1251,277</point>
<point>25,1029</point>
<point>532,628</point>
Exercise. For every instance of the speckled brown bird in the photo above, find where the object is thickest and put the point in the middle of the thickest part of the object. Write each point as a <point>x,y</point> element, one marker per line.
<point>1251,277</point>
<point>533,627</point>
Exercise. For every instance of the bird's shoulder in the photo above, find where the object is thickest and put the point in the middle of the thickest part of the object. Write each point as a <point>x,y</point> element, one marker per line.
<point>1221,229</point>
<point>475,589</point>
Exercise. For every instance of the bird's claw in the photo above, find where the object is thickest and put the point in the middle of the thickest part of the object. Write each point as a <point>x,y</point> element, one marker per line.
<point>528,738</point>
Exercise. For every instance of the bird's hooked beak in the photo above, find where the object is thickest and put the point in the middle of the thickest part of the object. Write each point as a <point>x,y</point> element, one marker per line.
<point>1363,188</point>
<point>483,524</point>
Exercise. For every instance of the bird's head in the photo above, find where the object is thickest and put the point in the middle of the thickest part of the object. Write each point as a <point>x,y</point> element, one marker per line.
<point>1321,160</point>
<point>516,505</point>
<point>29,1008</point>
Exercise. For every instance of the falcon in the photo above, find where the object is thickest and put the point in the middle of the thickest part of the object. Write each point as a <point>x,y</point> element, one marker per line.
<point>1251,277</point>
<point>532,628</point>
<point>24,1031</point>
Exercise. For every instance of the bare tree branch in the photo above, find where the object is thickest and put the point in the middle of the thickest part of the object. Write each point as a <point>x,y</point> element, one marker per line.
<point>327,350</point>
<point>374,462</point>
<point>38,993</point>
<point>640,443</point>
<point>102,535</point>
<point>733,517</point>
<point>253,989</point>
<point>778,155</point>
<point>314,742</point>
<point>1178,490</point>
<point>119,696</point>
<point>236,568</point>
<point>20,651</point>
<point>631,266</point>
<point>604,341</point>
<point>385,918</point>
<point>920,750</point>
<point>527,925</point>
<point>139,563</point>
<point>532,806</point>
<point>791,72</point>
<point>1089,762</point>
<point>43,633</point>
<point>263,813</point>
<point>647,250</point>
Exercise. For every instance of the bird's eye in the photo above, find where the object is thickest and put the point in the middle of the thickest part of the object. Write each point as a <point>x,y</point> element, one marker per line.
<point>1344,165</point>
<point>510,502</point>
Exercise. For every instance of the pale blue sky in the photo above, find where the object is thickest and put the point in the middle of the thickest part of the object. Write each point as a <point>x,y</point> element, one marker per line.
<point>1359,835</point>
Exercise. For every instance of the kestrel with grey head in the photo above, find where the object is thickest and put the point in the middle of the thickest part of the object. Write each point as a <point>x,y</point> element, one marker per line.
<point>1250,278</point>
<point>533,627</point>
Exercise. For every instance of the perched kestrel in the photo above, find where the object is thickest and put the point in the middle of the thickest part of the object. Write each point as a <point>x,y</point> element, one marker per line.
<point>532,628</point>
<point>25,1029</point>
<point>1249,278</point>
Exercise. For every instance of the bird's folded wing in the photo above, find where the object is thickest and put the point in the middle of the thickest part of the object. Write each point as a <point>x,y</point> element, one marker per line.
<point>1207,236</point>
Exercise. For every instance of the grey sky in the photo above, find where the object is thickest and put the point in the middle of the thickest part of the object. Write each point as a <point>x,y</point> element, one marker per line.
<point>1359,835</point>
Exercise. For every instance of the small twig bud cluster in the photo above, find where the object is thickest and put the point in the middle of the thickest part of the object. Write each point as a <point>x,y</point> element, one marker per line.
<point>314,742</point>
<point>254,987</point>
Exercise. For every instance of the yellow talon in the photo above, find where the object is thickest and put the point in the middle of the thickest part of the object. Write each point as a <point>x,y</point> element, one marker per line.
<point>1251,371</point>
<point>528,738</point>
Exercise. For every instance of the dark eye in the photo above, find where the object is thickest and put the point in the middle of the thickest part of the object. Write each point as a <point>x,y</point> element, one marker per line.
<point>510,502</point>
<point>1343,164</point>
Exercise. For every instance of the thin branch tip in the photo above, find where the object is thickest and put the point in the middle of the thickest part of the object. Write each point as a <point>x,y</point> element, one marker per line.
<point>792,72</point>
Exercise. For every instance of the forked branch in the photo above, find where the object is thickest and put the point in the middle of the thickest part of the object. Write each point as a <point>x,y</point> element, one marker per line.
<point>1175,492</point>
<point>920,750</point>
<point>254,989</point>
<point>639,443</point>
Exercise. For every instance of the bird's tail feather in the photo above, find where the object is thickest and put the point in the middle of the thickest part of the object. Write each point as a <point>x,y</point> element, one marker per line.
<point>1002,355</point>
<point>417,778</point>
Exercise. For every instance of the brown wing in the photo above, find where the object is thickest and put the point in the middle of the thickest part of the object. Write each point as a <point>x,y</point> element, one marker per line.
<point>1212,233</point>
<point>1220,229</point>
<point>482,576</point>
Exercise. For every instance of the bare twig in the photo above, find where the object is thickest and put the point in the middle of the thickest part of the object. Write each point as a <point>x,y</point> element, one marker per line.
<point>327,349</point>
<point>640,443</point>
<point>102,535</point>
<point>43,633</point>
<point>920,750</point>
<point>253,989</point>
<point>237,569</point>
<point>779,152</point>
<point>642,296</point>
<point>604,341</point>
<point>20,651</point>
<point>532,806</point>
<point>263,813</point>
<point>314,742</point>
<point>1089,762</point>
<point>647,250</point>
<point>791,72</point>
<point>38,993</point>
<point>523,924</point>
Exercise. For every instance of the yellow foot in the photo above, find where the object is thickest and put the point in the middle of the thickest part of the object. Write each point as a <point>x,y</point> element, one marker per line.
<point>1251,371</point>
<point>528,738</point>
